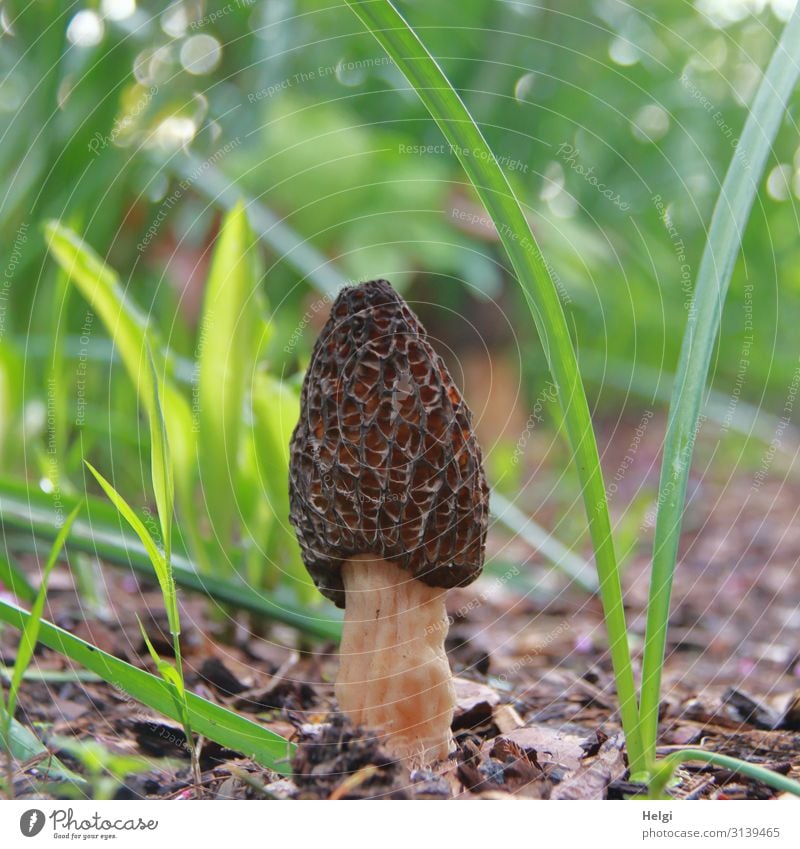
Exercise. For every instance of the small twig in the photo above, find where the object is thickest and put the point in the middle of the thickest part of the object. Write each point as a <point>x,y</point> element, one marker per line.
<point>353,781</point>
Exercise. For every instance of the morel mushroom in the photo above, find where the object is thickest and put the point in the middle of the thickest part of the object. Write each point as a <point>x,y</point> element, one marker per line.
<point>390,506</point>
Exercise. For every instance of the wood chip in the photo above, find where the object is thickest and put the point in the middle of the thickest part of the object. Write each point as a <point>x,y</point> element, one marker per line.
<point>791,716</point>
<point>548,745</point>
<point>592,779</point>
<point>474,704</point>
<point>747,709</point>
<point>507,719</point>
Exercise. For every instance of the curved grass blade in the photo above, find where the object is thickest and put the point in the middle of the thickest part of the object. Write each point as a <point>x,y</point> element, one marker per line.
<point>667,766</point>
<point>411,56</point>
<point>229,327</point>
<point>15,739</point>
<point>18,741</point>
<point>161,566</point>
<point>128,327</point>
<point>160,461</point>
<point>31,512</point>
<point>30,634</point>
<point>172,676</point>
<point>276,409</point>
<point>52,676</point>
<point>25,746</point>
<point>743,419</point>
<point>728,223</point>
<point>212,721</point>
<point>100,285</point>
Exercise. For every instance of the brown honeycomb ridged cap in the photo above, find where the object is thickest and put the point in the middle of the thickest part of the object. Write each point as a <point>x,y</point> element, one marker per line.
<point>384,460</point>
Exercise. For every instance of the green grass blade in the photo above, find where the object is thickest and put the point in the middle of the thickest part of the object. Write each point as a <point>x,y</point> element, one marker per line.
<point>183,370</point>
<point>51,676</point>
<point>12,370</point>
<point>128,327</point>
<point>58,380</point>
<point>108,770</point>
<point>728,223</point>
<point>160,462</point>
<point>15,580</point>
<point>656,385</point>
<point>172,676</point>
<point>100,285</point>
<point>751,770</point>
<point>30,633</point>
<point>533,274</point>
<point>25,746</point>
<point>31,513</point>
<point>276,409</point>
<point>161,566</point>
<point>565,560</point>
<point>212,721</point>
<point>20,742</point>
<point>167,671</point>
<point>229,325</point>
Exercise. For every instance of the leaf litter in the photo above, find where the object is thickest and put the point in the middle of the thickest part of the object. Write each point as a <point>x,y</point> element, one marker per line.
<point>536,715</point>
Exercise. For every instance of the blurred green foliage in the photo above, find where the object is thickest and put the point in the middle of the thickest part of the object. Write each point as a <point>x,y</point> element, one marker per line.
<point>614,124</point>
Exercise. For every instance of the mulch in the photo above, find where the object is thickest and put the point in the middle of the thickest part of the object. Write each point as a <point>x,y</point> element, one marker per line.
<point>537,714</point>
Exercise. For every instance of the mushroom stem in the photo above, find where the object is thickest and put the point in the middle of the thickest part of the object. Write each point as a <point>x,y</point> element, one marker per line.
<point>393,672</point>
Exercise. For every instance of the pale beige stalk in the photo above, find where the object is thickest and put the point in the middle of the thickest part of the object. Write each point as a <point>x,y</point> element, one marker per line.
<point>393,673</point>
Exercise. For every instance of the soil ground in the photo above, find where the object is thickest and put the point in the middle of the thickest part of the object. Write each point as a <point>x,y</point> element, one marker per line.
<point>536,715</point>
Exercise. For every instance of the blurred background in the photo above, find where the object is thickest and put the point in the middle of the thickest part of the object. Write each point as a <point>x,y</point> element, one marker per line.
<point>139,125</point>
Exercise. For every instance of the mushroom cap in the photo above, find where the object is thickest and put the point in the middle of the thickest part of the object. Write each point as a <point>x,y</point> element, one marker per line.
<point>384,460</point>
